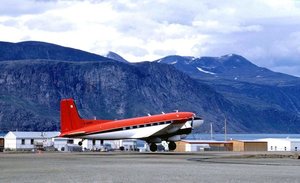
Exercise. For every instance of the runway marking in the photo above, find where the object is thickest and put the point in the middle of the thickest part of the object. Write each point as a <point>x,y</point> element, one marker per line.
<point>241,161</point>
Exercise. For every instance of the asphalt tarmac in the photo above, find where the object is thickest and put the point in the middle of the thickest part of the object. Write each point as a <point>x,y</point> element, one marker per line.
<point>149,167</point>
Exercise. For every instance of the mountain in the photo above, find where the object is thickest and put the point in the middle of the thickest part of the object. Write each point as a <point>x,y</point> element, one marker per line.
<point>228,67</point>
<point>41,50</point>
<point>30,92</point>
<point>115,56</point>
<point>31,89</point>
<point>270,97</point>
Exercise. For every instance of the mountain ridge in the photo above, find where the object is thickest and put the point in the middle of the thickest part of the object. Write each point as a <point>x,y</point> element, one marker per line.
<point>30,91</point>
<point>42,50</point>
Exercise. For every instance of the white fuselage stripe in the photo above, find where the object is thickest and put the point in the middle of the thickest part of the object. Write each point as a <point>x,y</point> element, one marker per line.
<point>136,133</point>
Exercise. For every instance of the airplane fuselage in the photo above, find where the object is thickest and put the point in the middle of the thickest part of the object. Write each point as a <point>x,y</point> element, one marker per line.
<point>153,129</point>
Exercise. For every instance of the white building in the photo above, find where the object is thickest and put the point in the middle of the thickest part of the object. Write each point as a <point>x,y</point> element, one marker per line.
<point>90,144</point>
<point>21,140</point>
<point>60,143</point>
<point>100,145</point>
<point>87,145</point>
<point>282,144</point>
<point>28,140</point>
<point>129,144</point>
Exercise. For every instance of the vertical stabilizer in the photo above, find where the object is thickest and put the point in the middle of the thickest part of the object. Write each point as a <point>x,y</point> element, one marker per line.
<point>69,117</point>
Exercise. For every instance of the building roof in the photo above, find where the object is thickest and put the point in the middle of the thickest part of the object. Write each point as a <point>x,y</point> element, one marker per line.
<point>281,139</point>
<point>254,141</point>
<point>206,142</point>
<point>23,134</point>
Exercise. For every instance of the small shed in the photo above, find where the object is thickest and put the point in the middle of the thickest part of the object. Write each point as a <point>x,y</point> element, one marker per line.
<point>22,140</point>
<point>2,141</point>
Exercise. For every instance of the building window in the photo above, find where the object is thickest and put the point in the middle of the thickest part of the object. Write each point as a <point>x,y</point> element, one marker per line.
<point>94,142</point>
<point>31,141</point>
<point>23,142</point>
<point>296,148</point>
<point>285,148</point>
<point>271,148</point>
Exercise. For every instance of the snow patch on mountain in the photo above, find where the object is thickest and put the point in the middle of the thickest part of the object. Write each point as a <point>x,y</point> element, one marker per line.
<point>207,72</point>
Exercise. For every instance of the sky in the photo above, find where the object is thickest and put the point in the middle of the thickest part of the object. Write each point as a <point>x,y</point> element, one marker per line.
<point>266,32</point>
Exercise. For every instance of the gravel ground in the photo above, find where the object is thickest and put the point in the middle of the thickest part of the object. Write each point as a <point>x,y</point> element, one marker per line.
<point>149,167</point>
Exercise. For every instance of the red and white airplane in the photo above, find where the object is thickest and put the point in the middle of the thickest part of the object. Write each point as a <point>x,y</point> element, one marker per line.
<point>170,127</point>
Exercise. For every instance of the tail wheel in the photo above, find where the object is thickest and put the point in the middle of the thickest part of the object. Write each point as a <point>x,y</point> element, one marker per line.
<point>172,146</point>
<point>153,147</point>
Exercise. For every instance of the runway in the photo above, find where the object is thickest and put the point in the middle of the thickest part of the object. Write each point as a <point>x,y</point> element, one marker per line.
<point>149,167</point>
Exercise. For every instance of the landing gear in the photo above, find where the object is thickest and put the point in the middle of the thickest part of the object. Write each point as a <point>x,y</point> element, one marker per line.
<point>153,147</point>
<point>80,143</point>
<point>172,146</point>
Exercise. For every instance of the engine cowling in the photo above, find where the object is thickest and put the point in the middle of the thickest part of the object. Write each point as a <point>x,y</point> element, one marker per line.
<point>154,140</point>
<point>196,122</point>
<point>174,138</point>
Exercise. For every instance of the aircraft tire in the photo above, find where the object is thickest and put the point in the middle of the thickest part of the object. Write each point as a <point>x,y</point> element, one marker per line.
<point>153,147</point>
<point>172,146</point>
<point>80,143</point>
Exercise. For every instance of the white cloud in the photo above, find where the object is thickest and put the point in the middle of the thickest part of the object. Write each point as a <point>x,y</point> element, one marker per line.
<point>16,8</point>
<point>265,31</point>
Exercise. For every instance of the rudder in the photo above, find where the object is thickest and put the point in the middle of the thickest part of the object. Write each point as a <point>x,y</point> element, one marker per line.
<point>69,117</point>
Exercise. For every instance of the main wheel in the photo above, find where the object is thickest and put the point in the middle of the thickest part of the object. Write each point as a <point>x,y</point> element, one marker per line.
<point>172,146</point>
<point>153,147</point>
<point>80,143</point>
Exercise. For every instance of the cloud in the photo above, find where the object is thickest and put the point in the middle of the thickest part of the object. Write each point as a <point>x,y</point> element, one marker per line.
<point>264,31</point>
<point>16,8</point>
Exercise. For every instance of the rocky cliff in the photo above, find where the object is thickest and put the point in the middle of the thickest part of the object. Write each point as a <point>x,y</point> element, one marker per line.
<point>31,89</point>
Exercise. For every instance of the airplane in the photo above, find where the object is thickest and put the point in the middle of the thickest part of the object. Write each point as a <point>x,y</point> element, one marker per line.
<point>169,127</point>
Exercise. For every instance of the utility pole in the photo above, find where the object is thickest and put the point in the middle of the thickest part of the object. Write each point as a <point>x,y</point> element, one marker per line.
<point>211,131</point>
<point>225,129</point>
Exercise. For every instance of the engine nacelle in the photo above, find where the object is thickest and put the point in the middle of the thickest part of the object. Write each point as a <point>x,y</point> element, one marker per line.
<point>174,138</point>
<point>154,140</point>
<point>197,122</point>
<point>183,136</point>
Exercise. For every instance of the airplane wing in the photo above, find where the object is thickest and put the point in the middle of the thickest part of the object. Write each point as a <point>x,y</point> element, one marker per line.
<point>168,129</point>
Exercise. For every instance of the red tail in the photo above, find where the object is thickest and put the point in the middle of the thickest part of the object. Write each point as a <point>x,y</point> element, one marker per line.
<point>69,117</point>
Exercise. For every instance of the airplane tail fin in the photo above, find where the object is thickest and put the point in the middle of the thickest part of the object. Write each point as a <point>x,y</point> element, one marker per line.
<point>69,117</point>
